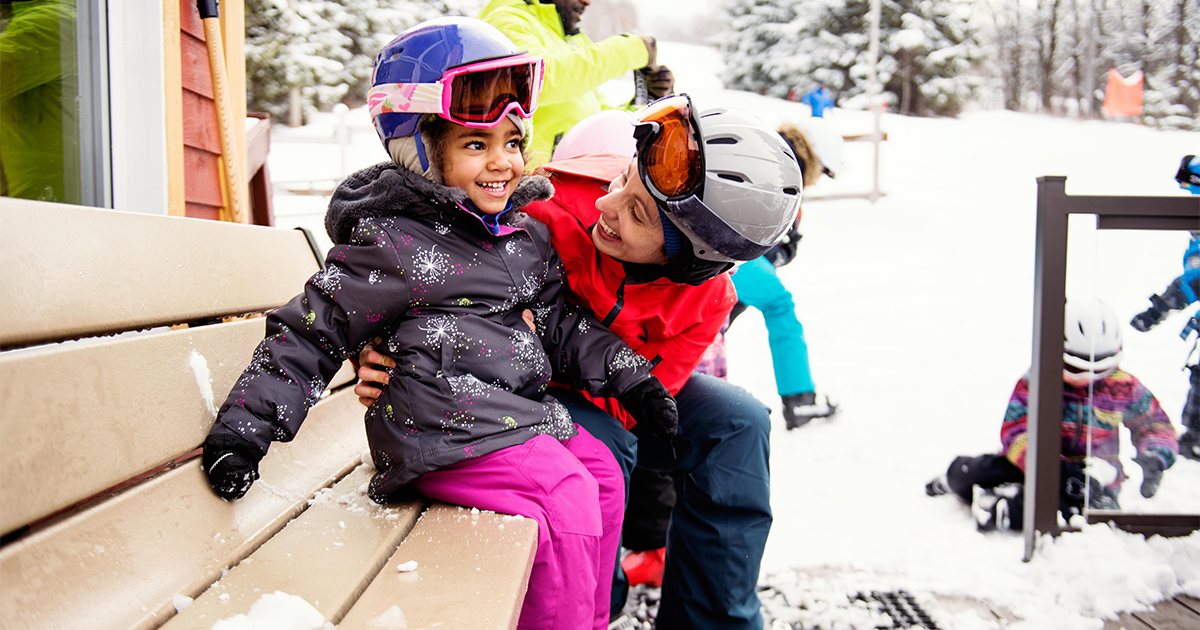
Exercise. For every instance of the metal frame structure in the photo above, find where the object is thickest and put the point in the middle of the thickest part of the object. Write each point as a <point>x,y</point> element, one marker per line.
<point>1044,448</point>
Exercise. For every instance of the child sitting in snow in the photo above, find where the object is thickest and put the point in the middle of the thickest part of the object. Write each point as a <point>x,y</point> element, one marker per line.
<point>433,254</point>
<point>1097,398</point>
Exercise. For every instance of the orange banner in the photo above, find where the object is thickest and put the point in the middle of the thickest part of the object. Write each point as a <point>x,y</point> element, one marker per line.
<point>1123,95</point>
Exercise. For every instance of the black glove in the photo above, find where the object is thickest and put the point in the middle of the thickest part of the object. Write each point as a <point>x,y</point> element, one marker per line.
<point>785,251</point>
<point>1152,471</point>
<point>1072,482</point>
<point>1172,299</point>
<point>653,406</point>
<point>660,82</point>
<point>231,463</point>
<point>1147,319</point>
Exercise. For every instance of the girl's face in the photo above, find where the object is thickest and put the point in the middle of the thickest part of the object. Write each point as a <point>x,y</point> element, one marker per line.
<point>629,228</point>
<point>485,163</point>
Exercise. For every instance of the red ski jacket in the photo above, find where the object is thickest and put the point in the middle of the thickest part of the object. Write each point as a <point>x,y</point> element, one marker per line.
<point>668,323</point>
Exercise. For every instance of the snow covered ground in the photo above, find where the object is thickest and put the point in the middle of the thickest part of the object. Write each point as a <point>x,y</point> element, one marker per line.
<point>918,315</point>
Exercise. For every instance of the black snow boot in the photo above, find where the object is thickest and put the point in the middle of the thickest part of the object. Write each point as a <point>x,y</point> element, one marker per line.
<point>798,409</point>
<point>1189,444</point>
<point>937,487</point>
<point>1000,508</point>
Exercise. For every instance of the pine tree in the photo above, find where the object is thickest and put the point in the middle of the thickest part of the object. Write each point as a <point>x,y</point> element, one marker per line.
<point>285,48</point>
<point>928,50</point>
<point>365,26</point>
<point>1171,93</point>
<point>756,28</point>
<point>326,48</point>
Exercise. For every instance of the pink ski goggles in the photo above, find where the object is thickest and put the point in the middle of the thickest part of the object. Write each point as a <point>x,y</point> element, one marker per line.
<point>476,95</point>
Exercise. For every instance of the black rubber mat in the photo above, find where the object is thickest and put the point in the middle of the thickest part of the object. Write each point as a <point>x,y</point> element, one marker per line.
<point>903,608</point>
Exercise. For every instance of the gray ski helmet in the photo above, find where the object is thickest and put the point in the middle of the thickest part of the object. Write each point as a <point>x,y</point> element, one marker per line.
<point>752,187</point>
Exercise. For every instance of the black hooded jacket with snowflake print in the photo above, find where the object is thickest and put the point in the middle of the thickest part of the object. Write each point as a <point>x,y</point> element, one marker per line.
<point>412,265</point>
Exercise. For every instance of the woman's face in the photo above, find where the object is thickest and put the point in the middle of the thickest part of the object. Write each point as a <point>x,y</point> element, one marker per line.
<point>629,228</point>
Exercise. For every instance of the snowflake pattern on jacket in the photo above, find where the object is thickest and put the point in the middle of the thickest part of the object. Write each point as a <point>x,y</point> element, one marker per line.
<point>413,265</point>
<point>1117,399</point>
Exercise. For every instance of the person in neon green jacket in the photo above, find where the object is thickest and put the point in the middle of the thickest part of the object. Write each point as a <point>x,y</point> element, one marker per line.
<point>575,66</point>
<point>38,101</point>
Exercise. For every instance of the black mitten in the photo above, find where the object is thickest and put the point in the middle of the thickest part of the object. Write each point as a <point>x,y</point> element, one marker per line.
<point>785,251</point>
<point>1147,319</point>
<point>1150,317</point>
<point>1173,299</point>
<point>1152,472</point>
<point>231,463</point>
<point>1072,482</point>
<point>653,406</point>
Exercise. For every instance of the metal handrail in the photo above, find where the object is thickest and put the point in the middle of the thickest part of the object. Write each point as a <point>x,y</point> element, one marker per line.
<point>1054,205</point>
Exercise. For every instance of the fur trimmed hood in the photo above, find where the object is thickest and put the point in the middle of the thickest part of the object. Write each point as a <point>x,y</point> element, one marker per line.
<point>386,189</point>
<point>809,163</point>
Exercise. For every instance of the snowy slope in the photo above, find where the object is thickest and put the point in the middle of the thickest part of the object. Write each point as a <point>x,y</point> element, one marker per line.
<point>918,315</point>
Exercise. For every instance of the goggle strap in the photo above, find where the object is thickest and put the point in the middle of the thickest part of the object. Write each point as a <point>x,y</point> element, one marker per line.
<point>421,149</point>
<point>693,213</point>
<point>405,98</point>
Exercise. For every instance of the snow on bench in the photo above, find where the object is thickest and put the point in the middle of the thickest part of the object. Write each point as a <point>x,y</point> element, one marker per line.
<point>120,335</point>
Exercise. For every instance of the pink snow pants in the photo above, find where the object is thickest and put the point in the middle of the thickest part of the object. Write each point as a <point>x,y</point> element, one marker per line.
<point>575,492</point>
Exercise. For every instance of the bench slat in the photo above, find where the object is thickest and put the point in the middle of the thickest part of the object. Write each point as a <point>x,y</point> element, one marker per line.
<point>115,271</point>
<point>170,534</point>
<point>472,571</point>
<point>123,405</point>
<point>88,415</point>
<point>327,556</point>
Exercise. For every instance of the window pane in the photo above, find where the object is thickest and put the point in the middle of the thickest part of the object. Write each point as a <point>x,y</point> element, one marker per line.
<point>1135,415</point>
<point>53,101</point>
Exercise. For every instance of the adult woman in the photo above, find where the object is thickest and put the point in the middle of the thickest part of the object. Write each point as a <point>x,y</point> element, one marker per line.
<point>645,244</point>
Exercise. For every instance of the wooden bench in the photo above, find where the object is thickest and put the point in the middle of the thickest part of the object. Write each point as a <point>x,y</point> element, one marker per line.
<point>121,333</point>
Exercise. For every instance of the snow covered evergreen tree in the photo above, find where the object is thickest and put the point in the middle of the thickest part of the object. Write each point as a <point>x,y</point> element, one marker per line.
<point>366,26</point>
<point>928,49</point>
<point>1054,55</point>
<point>326,48</point>
<point>755,30</point>
<point>290,44</point>
<point>1171,98</point>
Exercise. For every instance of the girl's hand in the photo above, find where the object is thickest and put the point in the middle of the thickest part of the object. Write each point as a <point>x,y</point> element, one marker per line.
<point>370,367</point>
<point>372,377</point>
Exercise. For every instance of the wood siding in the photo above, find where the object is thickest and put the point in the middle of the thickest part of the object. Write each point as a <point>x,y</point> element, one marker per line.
<point>201,144</point>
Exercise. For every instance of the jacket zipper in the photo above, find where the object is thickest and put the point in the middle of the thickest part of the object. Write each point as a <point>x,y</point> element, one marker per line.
<point>616,309</point>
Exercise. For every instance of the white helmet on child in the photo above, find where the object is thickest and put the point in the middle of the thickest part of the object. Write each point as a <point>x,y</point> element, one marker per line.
<point>1091,341</point>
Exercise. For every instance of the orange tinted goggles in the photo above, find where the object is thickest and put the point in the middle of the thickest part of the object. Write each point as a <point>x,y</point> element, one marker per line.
<point>670,153</point>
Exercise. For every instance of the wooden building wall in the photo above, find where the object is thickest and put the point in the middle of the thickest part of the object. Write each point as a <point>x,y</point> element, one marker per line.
<point>201,142</point>
<point>194,147</point>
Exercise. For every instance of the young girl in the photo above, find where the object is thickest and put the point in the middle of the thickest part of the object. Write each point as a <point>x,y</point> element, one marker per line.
<point>432,254</point>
